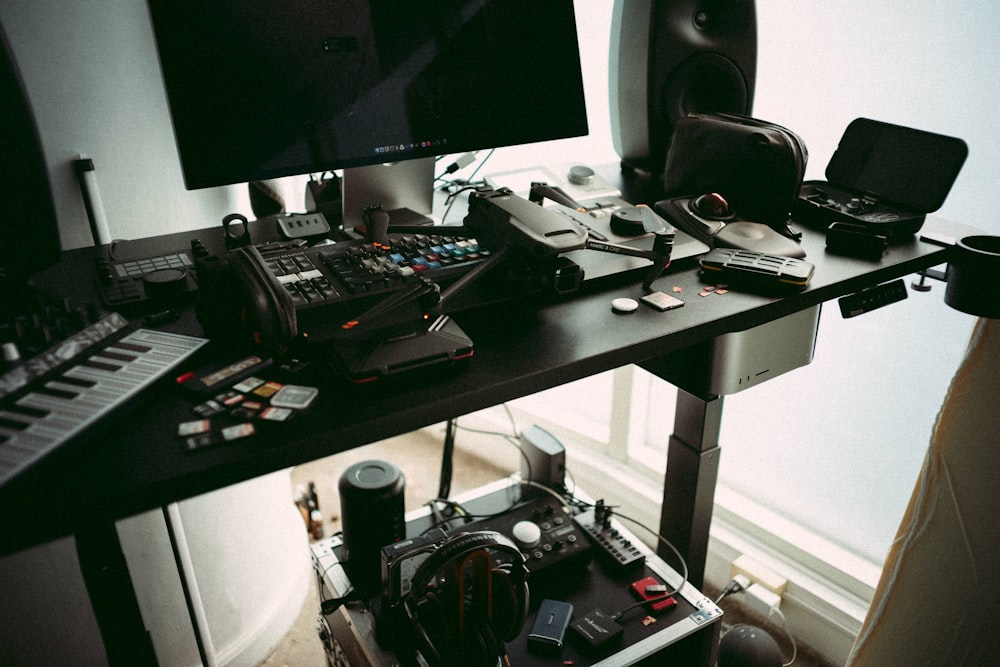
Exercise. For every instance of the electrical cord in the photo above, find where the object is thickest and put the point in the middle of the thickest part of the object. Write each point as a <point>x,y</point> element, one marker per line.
<point>512,440</point>
<point>641,603</point>
<point>447,460</point>
<point>788,633</point>
<point>470,184</point>
<point>737,584</point>
<point>461,162</point>
<point>665,542</point>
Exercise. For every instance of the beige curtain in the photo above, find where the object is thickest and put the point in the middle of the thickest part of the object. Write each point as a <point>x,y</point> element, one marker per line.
<point>938,599</point>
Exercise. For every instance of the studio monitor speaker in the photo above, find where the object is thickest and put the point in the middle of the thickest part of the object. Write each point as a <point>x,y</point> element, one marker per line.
<point>30,230</point>
<point>670,58</point>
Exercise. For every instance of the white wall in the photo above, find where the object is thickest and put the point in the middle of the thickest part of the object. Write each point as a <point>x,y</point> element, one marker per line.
<point>92,76</point>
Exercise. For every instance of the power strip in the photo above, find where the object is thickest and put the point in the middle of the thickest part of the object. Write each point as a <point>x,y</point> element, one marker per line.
<point>606,535</point>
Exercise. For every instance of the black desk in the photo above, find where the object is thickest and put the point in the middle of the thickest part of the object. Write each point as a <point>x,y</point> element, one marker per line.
<point>136,463</point>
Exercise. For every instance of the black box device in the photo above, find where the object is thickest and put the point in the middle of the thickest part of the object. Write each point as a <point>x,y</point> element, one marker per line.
<point>550,624</point>
<point>883,177</point>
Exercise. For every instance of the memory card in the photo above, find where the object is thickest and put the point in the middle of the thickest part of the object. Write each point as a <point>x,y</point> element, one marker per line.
<point>212,379</point>
<point>294,396</point>
<point>661,301</point>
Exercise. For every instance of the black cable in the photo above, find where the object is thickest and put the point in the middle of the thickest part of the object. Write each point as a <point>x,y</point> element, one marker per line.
<point>511,439</point>
<point>452,196</point>
<point>447,460</point>
<point>330,605</point>
<point>664,541</point>
<point>658,598</point>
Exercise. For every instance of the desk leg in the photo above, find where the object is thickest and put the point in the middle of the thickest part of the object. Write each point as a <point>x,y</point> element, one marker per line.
<point>106,575</point>
<point>689,483</point>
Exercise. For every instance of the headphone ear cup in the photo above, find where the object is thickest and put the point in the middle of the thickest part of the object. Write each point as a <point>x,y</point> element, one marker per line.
<point>432,627</point>
<point>455,625</point>
<point>268,312</point>
<point>507,612</point>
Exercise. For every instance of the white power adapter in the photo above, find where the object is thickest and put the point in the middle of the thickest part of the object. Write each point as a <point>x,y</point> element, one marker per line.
<point>761,601</point>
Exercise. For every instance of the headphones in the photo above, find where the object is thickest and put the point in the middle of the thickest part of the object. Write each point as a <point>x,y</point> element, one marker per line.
<point>466,599</point>
<point>240,301</point>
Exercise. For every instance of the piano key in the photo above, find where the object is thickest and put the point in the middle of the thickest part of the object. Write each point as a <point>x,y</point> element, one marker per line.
<point>58,404</point>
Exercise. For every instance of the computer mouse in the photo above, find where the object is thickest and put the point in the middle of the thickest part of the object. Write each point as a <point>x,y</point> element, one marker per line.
<point>711,205</point>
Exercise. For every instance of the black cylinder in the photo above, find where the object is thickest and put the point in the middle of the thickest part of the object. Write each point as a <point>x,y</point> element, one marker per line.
<point>371,513</point>
<point>974,276</point>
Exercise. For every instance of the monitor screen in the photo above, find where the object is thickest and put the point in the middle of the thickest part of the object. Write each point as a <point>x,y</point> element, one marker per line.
<point>261,89</point>
<point>29,229</point>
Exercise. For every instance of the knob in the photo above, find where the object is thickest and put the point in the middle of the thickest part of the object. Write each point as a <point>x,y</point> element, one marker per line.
<point>580,175</point>
<point>526,533</point>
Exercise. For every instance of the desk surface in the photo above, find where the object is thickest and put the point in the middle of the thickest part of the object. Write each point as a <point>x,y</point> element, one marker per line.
<point>135,462</point>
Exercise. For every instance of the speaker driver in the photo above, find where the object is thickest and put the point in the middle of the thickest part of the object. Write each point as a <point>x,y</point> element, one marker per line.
<point>703,84</point>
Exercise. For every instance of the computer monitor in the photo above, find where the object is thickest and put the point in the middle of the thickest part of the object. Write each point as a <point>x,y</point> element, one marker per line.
<point>29,229</point>
<point>261,89</point>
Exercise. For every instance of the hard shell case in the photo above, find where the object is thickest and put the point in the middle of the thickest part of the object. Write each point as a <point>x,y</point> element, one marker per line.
<point>884,177</point>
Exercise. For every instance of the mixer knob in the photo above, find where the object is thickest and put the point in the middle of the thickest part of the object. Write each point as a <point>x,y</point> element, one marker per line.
<point>526,533</point>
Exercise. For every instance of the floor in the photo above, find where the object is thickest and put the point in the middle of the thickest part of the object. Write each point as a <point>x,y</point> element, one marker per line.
<point>419,456</point>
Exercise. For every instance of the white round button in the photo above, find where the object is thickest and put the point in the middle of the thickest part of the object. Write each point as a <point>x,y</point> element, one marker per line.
<point>526,533</point>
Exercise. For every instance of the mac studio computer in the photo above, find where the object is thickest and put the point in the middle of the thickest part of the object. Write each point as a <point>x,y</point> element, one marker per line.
<point>263,89</point>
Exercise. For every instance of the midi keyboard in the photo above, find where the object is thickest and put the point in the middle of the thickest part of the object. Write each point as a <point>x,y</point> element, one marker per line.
<point>54,396</point>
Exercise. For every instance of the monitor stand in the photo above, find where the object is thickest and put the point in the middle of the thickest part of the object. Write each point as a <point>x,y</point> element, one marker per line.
<point>406,187</point>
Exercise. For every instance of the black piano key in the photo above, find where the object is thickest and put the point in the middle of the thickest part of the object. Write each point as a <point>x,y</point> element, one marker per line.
<point>135,347</point>
<point>27,411</point>
<point>13,424</point>
<point>57,393</point>
<point>119,356</point>
<point>100,365</point>
<point>79,382</point>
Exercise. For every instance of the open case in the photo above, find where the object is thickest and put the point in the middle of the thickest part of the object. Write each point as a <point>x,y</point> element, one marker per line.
<point>884,178</point>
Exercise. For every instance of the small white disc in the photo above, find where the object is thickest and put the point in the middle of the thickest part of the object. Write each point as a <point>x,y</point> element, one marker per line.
<point>624,305</point>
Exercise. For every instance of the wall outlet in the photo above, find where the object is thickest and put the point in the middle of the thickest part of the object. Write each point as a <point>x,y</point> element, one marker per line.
<point>758,573</point>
